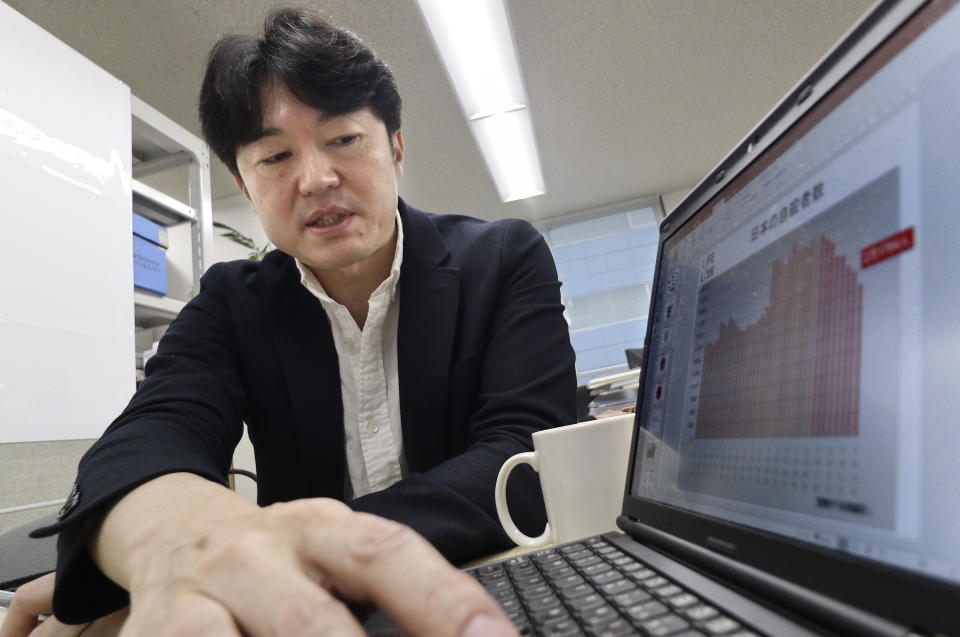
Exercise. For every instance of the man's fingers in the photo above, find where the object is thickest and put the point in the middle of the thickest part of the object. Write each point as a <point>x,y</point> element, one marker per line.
<point>53,628</point>
<point>32,599</point>
<point>35,597</point>
<point>181,614</point>
<point>290,604</point>
<point>371,559</point>
<point>108,626</point>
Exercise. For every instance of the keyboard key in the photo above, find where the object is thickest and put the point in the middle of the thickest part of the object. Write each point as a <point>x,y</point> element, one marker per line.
<point>502,594</point>
<point>490,568</point>
<point>639,573</point>
<point>596,540</point>
<point>520,620</point>
<point>542,603</point>
<point>595,569</point>
<point>665,625</point>
<point>569,580</point>
<point>585,602</point>
<point>535,592</point>
<point>645,611</point>
<point>700,612</point>
<point>666,591</point>
<point>511,605</point>
<point>744,633</point>
<point>599,615</point>
<point>576,555</point>
<point>572,548</point>
<point>550,614</point>
<point>683,600</point>
<point>623,560</point>
<point>489,577</point>
<point>517,562</point>
<point>560,573</point>
<point>618,586</point>
<point>606,550</point>
<point>654,582</point>
<point>560,628</point>
<point>583,562</point>
<point>524,583</point>
<point>617,628</point>
<point>630,598</point>
<point>498,585</point>
<point>720,626</point>
<point>607,577</point>
<point>577,590</point>
<point>689,633</point>
<point>553,564</point>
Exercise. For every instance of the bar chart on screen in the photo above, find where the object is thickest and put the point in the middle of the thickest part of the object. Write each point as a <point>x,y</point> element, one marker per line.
<point>774,391</point>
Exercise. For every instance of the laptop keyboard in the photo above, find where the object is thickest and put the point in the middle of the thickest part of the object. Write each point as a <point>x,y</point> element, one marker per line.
<point>594,588</point>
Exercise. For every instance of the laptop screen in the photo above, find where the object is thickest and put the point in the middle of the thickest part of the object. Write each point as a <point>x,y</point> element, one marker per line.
<point>803,369</point>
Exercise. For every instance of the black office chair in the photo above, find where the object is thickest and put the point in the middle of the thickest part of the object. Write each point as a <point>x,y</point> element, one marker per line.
<point>23,558</point>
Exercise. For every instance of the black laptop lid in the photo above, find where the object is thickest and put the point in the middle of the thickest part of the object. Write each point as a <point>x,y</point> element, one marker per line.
<point>802,381</point>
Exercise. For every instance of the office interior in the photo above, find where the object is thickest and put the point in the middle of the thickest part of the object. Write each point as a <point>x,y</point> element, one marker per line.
<point>632,103</point>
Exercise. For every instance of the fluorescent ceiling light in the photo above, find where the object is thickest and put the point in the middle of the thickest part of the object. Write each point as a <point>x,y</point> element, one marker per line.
<point>507,144</point>
<point>476,46</point>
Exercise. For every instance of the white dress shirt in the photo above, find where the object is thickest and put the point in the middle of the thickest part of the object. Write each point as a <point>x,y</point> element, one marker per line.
<point>369,385</point>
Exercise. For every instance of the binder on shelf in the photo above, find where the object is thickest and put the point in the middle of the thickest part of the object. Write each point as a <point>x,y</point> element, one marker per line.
<point>152,232</point>
<point>149,255</point>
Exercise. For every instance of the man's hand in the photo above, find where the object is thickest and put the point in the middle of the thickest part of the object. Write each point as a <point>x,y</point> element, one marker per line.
<point>34,599</point>
<point>211,565</point>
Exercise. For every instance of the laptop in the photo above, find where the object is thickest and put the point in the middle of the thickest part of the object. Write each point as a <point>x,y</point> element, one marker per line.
<point>795,467</point>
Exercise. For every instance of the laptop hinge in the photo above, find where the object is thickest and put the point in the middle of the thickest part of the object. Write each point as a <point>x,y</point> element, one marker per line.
<point>840,617</point>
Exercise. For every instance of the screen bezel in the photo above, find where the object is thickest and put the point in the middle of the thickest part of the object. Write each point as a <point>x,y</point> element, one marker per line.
<point>896,594</point>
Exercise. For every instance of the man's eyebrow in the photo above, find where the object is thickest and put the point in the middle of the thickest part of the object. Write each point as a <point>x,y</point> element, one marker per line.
<point>264,132</point>
<point>322,118</point>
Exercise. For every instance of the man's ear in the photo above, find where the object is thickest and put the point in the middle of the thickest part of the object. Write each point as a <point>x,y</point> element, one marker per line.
<point>397,143</point>
<point>241,186</point>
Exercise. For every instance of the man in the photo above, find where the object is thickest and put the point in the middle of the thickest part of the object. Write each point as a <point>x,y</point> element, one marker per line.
<point>382,356</point>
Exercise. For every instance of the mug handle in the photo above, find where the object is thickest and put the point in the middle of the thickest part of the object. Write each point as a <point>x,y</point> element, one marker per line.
<point>503,512</point>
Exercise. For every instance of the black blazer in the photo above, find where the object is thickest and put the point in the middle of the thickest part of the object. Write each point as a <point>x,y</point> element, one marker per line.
<point>484,360</point>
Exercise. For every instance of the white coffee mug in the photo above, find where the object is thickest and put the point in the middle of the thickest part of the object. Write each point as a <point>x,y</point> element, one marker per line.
<point>583,471</point>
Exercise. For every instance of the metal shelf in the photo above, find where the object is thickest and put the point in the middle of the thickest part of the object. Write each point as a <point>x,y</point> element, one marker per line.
<point>160,144</point>
<point>158,207</point>
<point>151,310</point>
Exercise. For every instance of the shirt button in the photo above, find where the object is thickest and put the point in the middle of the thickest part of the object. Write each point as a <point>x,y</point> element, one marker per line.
<point>375,428</point>
<point>348,341</point>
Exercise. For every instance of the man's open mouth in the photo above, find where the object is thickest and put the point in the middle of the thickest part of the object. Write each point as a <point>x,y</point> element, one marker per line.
<point>329,220</point>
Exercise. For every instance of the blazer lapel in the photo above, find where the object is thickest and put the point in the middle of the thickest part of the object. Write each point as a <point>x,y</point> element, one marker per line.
<point>429,302</point>
<point>312,373</point>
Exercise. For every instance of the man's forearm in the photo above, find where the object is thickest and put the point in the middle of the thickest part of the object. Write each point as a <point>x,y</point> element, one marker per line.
<point>160,513</point>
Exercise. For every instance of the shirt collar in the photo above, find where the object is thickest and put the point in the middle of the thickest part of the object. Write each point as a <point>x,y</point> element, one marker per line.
<point>388,286</point>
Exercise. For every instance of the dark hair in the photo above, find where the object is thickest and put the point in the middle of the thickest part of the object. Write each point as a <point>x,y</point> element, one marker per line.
<point>323,66</point>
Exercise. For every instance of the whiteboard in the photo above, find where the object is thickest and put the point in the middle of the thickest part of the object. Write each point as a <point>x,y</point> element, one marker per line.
<point>66,269</point>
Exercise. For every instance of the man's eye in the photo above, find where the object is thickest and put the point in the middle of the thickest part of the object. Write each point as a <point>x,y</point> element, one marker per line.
<point>346,140</point>
<point>274,159</point>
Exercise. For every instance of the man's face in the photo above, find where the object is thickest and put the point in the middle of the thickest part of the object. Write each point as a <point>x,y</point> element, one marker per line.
<point>325,188</point>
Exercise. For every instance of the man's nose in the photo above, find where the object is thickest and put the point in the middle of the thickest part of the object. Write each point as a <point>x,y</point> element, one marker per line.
<point>317,173</point>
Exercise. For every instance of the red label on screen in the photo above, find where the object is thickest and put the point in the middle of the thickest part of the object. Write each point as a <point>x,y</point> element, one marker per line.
<point>886,248</point>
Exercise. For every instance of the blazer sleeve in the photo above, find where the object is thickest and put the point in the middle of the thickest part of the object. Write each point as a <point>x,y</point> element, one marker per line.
<point>186,416</point>
<point>526,382</point>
